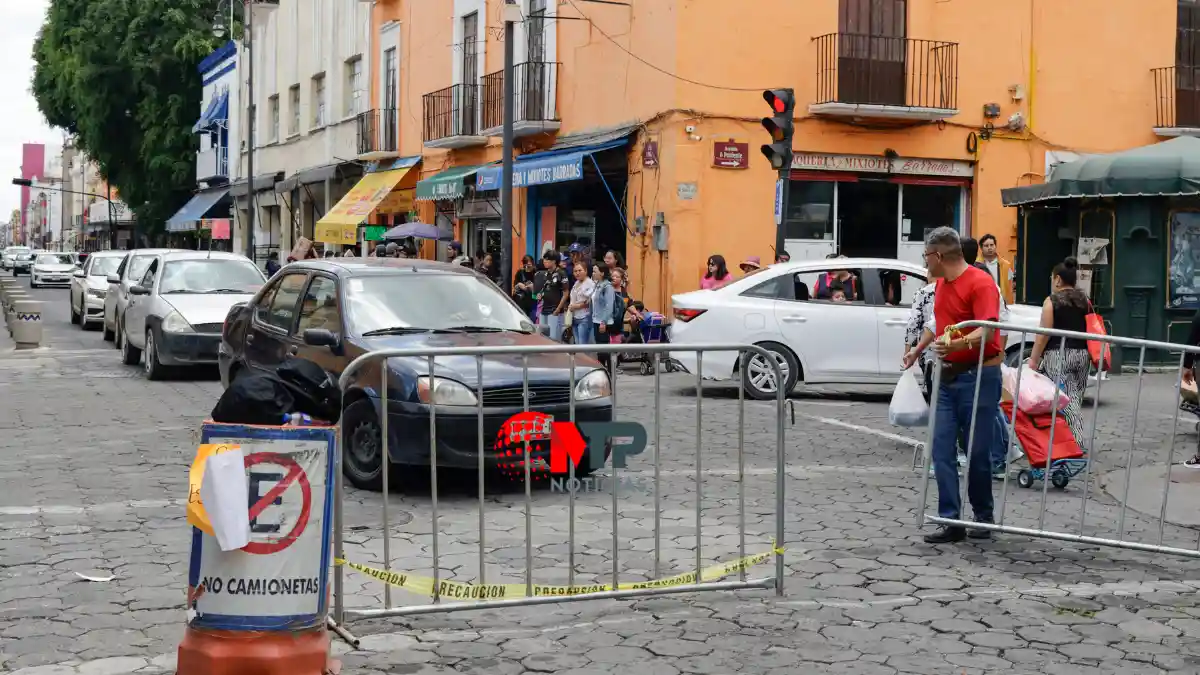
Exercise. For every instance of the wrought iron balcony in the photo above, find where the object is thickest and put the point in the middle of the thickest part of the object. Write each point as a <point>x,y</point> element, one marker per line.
<point>873,76</point>
<point>1176,101</point>
<point>212,163</point>
<point>378,133</point>
<point>535,90</point>
<point>451,117</point>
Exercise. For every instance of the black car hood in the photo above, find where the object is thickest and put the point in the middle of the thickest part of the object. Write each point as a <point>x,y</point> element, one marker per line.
<point>498,370</point>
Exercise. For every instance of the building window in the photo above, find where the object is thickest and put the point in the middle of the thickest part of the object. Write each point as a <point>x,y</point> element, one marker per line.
<point>355,92</point>
<point>389,78</point>
<point>872,49</point>
<point>273,111</point>
<point>294,105</point>
<point>928,207</point>
<point>810,211</point>
<point>536,39</point>
<point>1187,64</point>
<point>470,48</point>
<point>319,118</point>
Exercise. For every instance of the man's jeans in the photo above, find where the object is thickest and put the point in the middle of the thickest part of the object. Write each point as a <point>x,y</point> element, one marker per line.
<point>555,324</point>
<point>954,417</point>
<point>1000,447</point>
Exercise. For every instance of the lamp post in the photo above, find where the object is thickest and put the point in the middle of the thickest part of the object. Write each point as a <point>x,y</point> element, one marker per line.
<point>112,209</point>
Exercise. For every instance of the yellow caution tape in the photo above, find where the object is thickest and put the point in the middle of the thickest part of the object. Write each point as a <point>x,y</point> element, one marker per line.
<point>459,590</point>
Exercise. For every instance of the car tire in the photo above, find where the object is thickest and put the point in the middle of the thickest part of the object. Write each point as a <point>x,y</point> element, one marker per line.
<point>756,376</point>
<point>130,355</point>
<point>76,319</point>
<point>110,335</point>
<point>1017,355</point>
<point>154,368</point>
<point>361,439</point>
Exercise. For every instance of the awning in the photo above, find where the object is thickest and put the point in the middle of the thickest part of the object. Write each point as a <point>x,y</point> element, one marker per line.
<point>448,184</point>
<point>185,218</point>
<point>340,224</point>
<point>217,111</point>
<point>1168,169</point>
<point>317,174</point>
<point>543,168</point>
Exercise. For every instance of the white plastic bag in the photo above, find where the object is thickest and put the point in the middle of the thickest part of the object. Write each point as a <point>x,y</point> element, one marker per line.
<point>223,492</point>
<point>1038,394</point>
<point>908,407</point>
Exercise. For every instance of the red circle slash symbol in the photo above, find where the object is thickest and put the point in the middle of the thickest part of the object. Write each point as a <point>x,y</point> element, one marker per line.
<point>294,474</point>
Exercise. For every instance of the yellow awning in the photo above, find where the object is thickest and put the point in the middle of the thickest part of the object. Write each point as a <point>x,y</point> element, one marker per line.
<point>343,219</point>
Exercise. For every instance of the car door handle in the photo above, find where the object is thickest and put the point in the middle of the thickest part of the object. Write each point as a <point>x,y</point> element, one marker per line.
<point>250,337</point>
<point>895,322</point>
<point>293,350</point>
<point>795,318</point>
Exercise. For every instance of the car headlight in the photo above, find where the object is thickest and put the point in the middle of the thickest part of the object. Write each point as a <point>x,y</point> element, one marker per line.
<point>175,323</point>
<point>97,292</point>
<point>445,392</point>
<point>593,385</point>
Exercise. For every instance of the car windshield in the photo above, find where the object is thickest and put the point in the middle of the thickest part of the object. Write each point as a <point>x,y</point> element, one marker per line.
<point>137,267</point>
<point>102,267</point>
<point>215,275</point>
<point>55,259</point>
<point>404,302</point>
<point>24,256</point>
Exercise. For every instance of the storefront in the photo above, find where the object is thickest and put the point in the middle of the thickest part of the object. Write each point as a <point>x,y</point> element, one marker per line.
<point>873,206</point>
<point>456,199</point>
<point>388,186</point>
<point>573,192</point>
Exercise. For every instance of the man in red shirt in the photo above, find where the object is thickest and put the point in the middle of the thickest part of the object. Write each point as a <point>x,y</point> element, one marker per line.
<point>963,293</point>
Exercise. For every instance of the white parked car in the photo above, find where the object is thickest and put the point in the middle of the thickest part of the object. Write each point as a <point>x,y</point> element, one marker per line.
<point>10,255</point>
<point>129,272</point>
<point>815,341</point>
<point>51,269</point>
<point>89,286</point>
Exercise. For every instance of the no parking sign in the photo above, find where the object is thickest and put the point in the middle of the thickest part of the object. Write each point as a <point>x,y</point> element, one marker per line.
<point>277,581</point>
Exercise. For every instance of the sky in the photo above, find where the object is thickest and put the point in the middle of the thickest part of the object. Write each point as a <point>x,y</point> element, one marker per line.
<point>20,121</point>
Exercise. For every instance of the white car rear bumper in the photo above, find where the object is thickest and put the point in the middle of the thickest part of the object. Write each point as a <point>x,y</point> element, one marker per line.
<point>716,365</point>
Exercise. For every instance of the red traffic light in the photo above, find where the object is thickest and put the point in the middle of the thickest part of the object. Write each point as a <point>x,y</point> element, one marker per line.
<point>780,100</point>
<point>779,105</point>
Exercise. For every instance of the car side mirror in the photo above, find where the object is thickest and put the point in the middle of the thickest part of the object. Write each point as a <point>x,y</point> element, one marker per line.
<point>320,337</point>
<point>79,274</point>
<point>139,290</point>
<point>114,279</point>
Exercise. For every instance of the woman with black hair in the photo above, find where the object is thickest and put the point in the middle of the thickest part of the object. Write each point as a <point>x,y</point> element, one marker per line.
<point>717,274</point>
<point>1067,364</point>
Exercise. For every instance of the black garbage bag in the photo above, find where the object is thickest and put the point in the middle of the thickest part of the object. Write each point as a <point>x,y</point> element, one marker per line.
<point>255,398</point>
<point>315,391</point>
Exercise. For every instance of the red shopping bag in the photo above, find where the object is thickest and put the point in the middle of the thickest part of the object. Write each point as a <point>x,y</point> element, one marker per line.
<point>1098,349</point>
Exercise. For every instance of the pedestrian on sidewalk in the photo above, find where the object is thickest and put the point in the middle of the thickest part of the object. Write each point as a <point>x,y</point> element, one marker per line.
<point>1067,308</point>
<point>582,331</point>
<point>717,273</point>
<point>1000,450</point>
<point>1000,269</point>
<point>554,297</point>
<point>603,297</point>
<point>963,293</point>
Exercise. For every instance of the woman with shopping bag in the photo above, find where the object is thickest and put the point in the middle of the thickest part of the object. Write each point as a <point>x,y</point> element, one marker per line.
<point>1067,365</point>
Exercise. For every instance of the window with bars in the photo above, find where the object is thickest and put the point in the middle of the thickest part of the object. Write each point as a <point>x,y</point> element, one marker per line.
<point>1187,63</point>
<point>390,73</point>
<point>536,32</point>
<point>273,111</point>
<point>294,109</point>
<point>872,49</point>
<point>355,86</point>
<point>470,48</point>
<point>319,112</point>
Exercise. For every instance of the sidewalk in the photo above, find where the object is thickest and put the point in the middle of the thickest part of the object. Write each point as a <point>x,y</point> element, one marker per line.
<point>1146,486</point>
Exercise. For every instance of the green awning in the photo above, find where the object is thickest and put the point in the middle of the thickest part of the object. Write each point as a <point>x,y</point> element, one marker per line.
<point>1168,169</point>
<point>449,184</point>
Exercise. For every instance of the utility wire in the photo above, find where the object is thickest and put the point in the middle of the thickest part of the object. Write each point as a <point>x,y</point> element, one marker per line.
<point>646,63</point>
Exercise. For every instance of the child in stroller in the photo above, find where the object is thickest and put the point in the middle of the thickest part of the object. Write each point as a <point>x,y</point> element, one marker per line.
<point>646,327</point>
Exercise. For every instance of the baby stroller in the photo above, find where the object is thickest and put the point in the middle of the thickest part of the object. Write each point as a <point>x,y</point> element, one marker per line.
<point>1033,433</point>
<point>651,331</point>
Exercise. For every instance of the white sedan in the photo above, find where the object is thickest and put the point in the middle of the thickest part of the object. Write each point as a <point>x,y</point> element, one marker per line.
<point>51,269</point>
<point>813,340</point>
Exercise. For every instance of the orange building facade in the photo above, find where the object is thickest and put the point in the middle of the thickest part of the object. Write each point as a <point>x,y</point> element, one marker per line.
<point>638,122</point>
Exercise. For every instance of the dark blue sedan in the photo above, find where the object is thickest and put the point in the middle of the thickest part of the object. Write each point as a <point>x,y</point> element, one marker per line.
<point>334,310</point>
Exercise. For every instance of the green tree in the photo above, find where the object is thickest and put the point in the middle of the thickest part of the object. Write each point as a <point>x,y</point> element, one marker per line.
<point>120,75</point>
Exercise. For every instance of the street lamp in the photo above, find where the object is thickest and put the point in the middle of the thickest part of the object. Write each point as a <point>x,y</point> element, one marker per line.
<point>112,209</point>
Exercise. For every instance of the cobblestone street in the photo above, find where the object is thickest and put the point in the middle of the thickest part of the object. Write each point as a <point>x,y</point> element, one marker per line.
<point>94,461</point>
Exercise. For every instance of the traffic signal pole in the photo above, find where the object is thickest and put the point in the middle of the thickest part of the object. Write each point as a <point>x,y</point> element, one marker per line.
<point>778,152</point>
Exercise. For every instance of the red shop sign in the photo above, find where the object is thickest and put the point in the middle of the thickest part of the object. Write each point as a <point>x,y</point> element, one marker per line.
<point>730,155</point>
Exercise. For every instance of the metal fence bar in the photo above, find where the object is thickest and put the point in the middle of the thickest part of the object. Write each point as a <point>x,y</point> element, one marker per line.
<point>927,451</point>
<point>528,466</point>
<point>571,491</point>
<point>1012,439</point>
<point>966,483</point>
<point>1091,446</point>
<point>1137,403</point>
<point>741,457</point>
<point>657,474</point>
<point>482,467</point>
<point>479,353</point>
<point>1162,512</point>
<point>385,467</point>
<point>1049,471</point>
<point>699,457</point>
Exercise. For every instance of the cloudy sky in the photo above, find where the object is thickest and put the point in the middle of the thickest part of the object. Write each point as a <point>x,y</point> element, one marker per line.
<point>20,121</point>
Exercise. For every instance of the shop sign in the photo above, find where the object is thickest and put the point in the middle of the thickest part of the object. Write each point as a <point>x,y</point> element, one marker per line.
<point>374,232</point>
<point>534,172</point>
<point>919,166</point>
<point>730,155</point>
<point>336,233</point>
<point>479,208</point>
<point>650,155</point>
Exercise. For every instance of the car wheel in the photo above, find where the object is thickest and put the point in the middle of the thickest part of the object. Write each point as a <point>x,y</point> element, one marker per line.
<point>1017,355</point>
<point>155,370</point>
<point>110,335</point>
<point>362,439</point>
<point>75,317</point>
<point>130,355</point>
<point>758,378</point>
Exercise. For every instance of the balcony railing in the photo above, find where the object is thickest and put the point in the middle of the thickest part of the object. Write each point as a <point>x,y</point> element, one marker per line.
<point>377,131</point>
<point>1176,99</point>
<point>451,117</point>
<point>855,69</point>
<point>535,89</point>
<point>212,163</point>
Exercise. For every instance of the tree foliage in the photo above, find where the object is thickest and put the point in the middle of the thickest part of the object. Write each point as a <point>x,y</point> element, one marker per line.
<point>120,75</point>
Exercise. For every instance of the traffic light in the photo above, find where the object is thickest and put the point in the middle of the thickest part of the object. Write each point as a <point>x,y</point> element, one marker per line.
<point>779,151</point>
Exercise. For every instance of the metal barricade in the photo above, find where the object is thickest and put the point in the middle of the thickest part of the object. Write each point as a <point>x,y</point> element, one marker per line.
<point>1058,471</point>
<point>692,581</point>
